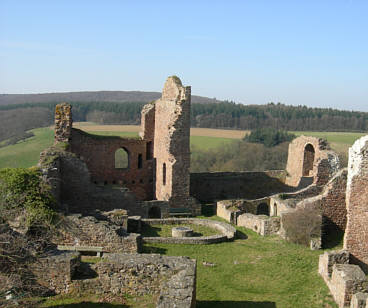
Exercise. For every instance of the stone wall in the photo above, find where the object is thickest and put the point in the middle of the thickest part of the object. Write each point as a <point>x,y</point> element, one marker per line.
<point>356,233</point>
<point>98,152</point>
<point>78,231</point>
<point>331,202</point>
<point>310,157</point>
<point>171,143</point>
<point>231,209</point>
<point>343,279</point>
<point>171,279</point>
<point>214,186</point>
<point>72,187</point>
<point>63,123</point>
<point>56,270</point>
<point>262,224</point>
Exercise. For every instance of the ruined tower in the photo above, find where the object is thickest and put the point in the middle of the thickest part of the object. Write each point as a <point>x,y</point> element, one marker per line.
<point>356,233</point>
<point>171,142</point>
<point>63,122</point>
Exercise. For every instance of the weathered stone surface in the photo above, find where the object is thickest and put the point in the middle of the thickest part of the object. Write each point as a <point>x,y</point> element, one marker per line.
<point>181,232</point>
<point>172,279</point>
<point>63,122</point>
<point>55,271</point>
<point>331,203</point>
<point>88,231</point>
<point>262,224</point>
<point>310,157</point>
<point>356,233</point>
<point>346,280</point>
<point>359,300</point>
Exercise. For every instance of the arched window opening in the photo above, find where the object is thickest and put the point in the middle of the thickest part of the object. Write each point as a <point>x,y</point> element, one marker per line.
<point>121,159</point>
<point>274,209</point>
<point>154,212</point>
<point>263,209</point>
<point>308,161</point>
<point>164,174</point>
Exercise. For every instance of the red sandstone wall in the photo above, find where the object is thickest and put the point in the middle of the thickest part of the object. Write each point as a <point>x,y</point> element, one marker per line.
<point>325,163</point>
<point>356,234</point>
<point>99,155</point>
<point>171,142</point>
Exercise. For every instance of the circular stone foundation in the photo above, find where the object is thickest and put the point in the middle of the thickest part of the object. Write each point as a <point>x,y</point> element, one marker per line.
<point>181,232</point>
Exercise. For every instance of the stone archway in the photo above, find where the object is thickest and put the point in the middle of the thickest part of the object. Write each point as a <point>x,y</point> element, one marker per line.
<point>308,161</point>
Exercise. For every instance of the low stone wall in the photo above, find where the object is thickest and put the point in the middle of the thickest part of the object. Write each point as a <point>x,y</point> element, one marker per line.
<point>343,279</point>
<point>262,224</point>
<point>231,209</point>
<point>79,230</point>
<point>227,232</point>
<point>56,270</point>
<point>171,279</point>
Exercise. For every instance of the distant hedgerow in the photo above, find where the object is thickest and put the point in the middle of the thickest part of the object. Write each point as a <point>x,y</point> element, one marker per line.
<point>268,136</point>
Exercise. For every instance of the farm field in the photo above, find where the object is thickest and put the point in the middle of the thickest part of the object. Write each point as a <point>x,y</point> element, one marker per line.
<point>26,153</point>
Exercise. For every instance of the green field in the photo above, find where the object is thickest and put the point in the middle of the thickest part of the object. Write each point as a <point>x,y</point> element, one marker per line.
<point>26,153</point>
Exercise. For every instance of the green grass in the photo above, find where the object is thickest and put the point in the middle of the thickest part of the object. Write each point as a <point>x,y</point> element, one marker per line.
<point>165,230</point>
<point>254,272</point>
<point>26,153</point>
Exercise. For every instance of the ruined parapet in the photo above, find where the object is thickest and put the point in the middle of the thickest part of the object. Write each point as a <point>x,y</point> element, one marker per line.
<point>356,233</point>
<point>171,150</point>
<point>63,122</point>
<point>310,157</point>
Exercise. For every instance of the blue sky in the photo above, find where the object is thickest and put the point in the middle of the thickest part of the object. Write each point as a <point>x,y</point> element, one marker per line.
<point>312,53</point>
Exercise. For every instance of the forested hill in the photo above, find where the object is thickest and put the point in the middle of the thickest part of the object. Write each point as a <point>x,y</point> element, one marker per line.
<point>211,115</point>
<point>91,96</point>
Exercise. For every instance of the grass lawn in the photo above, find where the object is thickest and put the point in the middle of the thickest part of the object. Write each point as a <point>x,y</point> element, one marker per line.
<point>255,272</point>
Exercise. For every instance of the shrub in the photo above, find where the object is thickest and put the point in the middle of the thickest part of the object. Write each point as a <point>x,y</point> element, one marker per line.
<point>302,225</point>
<point>269,136</point>
<point>23,189</point>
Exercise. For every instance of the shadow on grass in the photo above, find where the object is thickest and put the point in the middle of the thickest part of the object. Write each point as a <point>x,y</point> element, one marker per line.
<point>90,305</point>
<point>232,304</point>
<point>150,231</point>
<point>153,249</point>
<point>240,235</point>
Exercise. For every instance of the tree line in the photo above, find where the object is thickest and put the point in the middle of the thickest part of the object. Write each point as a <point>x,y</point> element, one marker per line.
<point>211,115</point>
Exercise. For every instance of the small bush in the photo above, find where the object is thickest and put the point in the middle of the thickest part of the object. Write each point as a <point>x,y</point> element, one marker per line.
<point>302,225</point>
<point>269,136</point>
<point>23,189</point>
